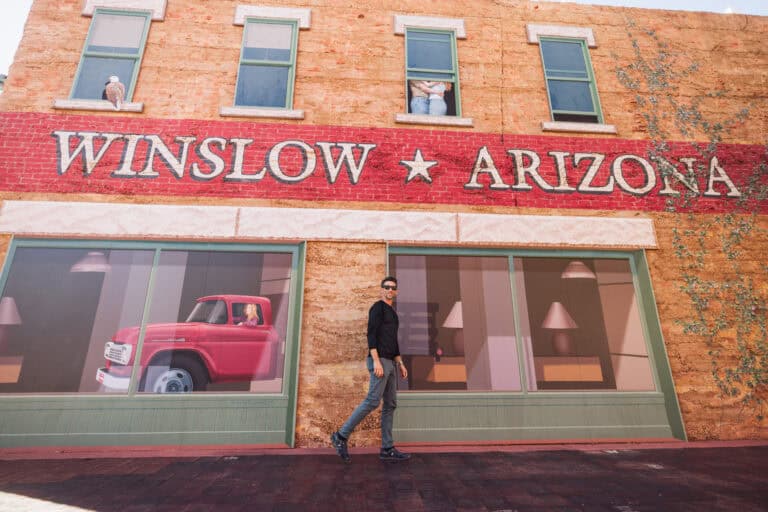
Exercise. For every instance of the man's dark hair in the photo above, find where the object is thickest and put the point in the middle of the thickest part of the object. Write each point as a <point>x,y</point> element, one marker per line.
<point>388,278</point>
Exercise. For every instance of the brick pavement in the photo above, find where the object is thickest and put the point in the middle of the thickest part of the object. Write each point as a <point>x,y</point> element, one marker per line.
<point>594,479</point>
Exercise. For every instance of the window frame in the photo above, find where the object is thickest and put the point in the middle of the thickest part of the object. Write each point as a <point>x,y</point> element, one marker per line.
<point>597,109</point>
<point>454,65</point>
<point>129,87</point>
<point>646,317</point>
<point>294,23</point>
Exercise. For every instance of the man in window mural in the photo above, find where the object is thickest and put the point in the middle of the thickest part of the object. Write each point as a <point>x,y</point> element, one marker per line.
<point>383,362</point>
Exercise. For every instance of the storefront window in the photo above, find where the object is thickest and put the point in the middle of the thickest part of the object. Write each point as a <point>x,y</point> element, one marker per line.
<point>72,321</point>
<point>457,330</point>
<point>579,323</point>
<point>64,305</point>
<point>218,322</point>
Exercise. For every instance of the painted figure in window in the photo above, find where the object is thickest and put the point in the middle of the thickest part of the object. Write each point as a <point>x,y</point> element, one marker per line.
<point>251,313</point>
<point>427,97</point>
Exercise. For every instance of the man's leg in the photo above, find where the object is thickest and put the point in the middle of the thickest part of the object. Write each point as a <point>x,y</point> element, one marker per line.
<point>371,402</point>
<point>388,451</point>
<point>389,406</point>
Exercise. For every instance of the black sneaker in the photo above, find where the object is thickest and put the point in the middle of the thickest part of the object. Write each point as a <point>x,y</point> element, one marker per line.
<point>340,444</point>
<point>393,455</point>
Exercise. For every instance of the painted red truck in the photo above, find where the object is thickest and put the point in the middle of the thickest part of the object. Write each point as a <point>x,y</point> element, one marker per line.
<point>217,343</point>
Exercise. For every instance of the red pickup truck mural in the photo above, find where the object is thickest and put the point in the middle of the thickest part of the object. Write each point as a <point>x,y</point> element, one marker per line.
<point>226,338</point>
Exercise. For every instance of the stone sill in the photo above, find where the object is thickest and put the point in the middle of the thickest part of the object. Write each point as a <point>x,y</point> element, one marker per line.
<point>100,105</point>
<point>261,112</point>
<point>561,126</point>
<point>434,120</point>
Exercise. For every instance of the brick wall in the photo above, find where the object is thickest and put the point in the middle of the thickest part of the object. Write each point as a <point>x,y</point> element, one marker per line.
<point>350,64</point>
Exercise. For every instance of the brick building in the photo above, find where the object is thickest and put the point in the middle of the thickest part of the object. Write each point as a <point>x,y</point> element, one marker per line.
<point>493,155</point>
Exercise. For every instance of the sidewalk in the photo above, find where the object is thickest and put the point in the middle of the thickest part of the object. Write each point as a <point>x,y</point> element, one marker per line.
<point>698,477</point>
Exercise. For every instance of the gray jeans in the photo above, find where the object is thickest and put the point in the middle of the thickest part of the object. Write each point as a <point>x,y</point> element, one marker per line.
<point>379,388</point>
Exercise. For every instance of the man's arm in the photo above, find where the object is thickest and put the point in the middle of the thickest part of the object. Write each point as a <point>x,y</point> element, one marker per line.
<point>375,318</point>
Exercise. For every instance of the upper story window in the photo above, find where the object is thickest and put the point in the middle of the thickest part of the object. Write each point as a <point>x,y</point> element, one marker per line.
<point>570,81</point>
<point>267,64</point>
<point>114,47</point>
<point>571,87</point>
<point>267,67</point>
<point>432,73</point>
<point>432,92</point>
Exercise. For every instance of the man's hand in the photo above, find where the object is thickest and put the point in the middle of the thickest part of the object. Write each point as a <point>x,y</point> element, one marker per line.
<point>403,371</point>
<point>378,370</point>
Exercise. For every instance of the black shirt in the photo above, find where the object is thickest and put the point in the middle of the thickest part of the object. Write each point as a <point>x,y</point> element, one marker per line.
<point>382,330</point>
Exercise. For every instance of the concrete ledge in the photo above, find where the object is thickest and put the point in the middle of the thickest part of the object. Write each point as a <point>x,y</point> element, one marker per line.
<point>434,120</point>
<point>99,105</point>
<point>402,21</point>
<point>261,112</point>
<point>556,230</point>
<point>68,219</point>
<point>534,30</point>
<point>242,11</point>
<point>116,220</point>
<point>156,6</point>
<point>562,126</point>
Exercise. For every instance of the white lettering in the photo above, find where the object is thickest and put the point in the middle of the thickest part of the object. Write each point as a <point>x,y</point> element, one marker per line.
<point>585,185</point>
<point>308,157</point>
<point>346,158</point>
<point>618,173</point>
<point>722,177</point>
<point>562,178</point>
<point>484,163</point>
<point>519,156</point>
<point>174,164</point>
<point>215,161</point>
<point>85,148</point>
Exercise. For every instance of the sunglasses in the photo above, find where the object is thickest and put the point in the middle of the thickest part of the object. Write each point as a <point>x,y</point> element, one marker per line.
<point>389,287</point>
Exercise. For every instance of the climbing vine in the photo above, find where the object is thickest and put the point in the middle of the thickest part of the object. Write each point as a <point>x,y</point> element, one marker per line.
<point>723,274</point>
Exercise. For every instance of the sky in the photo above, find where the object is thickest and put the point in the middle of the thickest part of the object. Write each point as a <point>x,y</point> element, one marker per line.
<point>13,15</point>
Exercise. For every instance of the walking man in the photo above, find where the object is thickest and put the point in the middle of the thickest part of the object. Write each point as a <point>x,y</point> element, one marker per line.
<point>383,363</point>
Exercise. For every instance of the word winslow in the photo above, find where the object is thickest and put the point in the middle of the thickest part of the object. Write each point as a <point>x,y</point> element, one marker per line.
<point>225,159</point>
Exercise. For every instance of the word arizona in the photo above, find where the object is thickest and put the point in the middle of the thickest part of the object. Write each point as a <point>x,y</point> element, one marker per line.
<point>590,173</point>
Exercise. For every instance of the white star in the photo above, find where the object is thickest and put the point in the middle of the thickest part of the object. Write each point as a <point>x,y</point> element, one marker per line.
<point>418,167</point>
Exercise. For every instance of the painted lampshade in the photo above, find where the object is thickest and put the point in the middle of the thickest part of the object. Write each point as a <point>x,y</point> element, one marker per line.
<point>577,270</point>
<point>455,319</point>
<point>558,318</point>
<point>9,313</point>
<point>92,262</point>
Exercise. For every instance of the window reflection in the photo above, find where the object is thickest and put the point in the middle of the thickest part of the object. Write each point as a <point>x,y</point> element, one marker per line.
<point>456,323</point>
<point>580,324</point>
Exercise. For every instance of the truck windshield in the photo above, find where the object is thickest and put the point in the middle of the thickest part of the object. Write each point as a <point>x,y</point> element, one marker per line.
<point>209,312</point>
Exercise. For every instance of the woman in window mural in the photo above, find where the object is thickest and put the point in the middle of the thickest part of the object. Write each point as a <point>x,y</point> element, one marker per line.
<point>427,97</point>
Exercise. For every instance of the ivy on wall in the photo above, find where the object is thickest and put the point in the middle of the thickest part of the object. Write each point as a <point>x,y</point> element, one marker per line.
<point>722,273</point>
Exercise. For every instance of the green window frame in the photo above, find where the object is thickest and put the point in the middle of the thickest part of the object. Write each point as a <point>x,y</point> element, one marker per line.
<point>570,80</point>
<point>446,71</point>
<point>528,412</point>
<point>134,417</point>
<point>263,72</point>
<point>100,61</point>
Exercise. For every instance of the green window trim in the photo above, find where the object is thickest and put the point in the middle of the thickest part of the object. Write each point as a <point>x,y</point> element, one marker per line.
<point>137,57</point>
<point>589,78</point>
<point>550,414</point>
<point>289,64</point>
<point>423,73</point>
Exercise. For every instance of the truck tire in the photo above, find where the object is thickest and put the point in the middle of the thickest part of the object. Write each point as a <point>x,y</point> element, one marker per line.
<point>179,374</point>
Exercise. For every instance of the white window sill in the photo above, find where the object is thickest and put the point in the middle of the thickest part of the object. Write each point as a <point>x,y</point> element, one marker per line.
<point>261,112</point>
<point>433,120</point>
<point>101,105</point>
<point>562,126</point>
